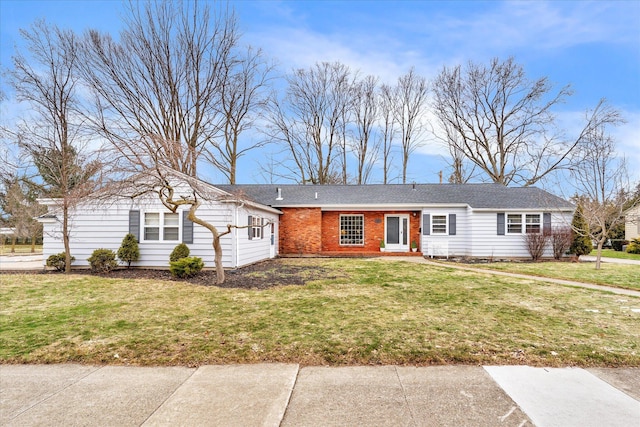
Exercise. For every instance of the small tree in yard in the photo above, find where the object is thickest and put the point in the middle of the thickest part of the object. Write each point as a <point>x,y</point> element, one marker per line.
<point>536,243</point>
<point>561,239</point>
<point>129,250</point>
<point>581,244</point>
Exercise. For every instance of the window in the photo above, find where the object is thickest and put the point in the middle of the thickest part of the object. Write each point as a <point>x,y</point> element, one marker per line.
<point>514,223</point>
<point>532,223</point>
<point>151,226</point>
<point>256,228</point>
<point>351,230</point>
<point>170,226</point>
<point>439,224</point>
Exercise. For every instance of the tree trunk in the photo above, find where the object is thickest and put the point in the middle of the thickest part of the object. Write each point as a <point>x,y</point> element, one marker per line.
<point>217,246</point>
<point>33,243</point>
<point>13,244</point>
<point>599,253</point>
<point>65,238</point>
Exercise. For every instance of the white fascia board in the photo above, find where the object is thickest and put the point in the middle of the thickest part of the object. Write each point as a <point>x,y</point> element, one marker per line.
<point>519,210</point>
<point>384,207</point>
<point>253,205</point>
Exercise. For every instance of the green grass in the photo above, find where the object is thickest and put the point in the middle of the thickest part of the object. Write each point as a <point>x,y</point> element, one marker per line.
<point>377,312</point>
<point>19,249</point>
<point>610,253</point>
<point>616,275</point>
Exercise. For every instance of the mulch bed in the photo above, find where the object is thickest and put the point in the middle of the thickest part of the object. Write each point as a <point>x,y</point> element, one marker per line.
<point>262,275</point>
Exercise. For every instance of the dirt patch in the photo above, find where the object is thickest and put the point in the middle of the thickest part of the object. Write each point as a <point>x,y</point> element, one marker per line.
<point>262,275</point>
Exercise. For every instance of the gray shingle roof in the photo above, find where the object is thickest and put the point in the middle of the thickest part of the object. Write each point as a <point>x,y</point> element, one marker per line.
<point>478,196</point>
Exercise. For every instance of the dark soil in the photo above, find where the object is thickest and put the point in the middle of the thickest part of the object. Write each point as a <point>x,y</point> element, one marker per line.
<point>262,275</point>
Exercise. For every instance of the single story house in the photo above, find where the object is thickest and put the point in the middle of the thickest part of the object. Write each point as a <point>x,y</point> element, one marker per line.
<point>632,223</point>
<point>470,220</point>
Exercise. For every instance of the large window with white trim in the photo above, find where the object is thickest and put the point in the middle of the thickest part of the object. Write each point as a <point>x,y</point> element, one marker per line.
<point>351,230</point>
<point>162,226</point>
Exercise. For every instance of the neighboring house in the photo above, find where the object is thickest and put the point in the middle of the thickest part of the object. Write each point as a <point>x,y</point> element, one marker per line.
<point>632,223</point>
<point>98,225</point>
<point>472,220</point>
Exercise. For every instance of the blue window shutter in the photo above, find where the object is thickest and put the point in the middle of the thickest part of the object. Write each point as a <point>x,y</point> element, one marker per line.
<point>187,228</point>
<point>501,224</point>
<point>134,223</point>
<point>452,224</point>
<point>250,224</point>
<point>546,223</point>
<point>426,224</point>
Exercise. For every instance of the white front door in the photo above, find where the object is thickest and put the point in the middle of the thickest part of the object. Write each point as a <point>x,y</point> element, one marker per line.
<point>396,233</point>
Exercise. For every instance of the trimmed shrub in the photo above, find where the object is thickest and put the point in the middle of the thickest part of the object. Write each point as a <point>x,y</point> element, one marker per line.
<point>618,244</point>
<point>634,247</point>
<point>58,261</point>
<point>186,267</point>
<point>129,250</point>
<point>102,260</point>
<point>180,251</point>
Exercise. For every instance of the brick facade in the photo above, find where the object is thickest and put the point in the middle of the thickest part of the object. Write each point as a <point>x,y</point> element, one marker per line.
<point>310,231</point>
<point>300,231</point>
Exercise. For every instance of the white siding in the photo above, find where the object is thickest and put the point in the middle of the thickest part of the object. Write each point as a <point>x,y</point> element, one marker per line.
<point>486,243</point>
<point>632,224</point>
<point>457,245</point>
<point>105,227</point>
<point>254,250</point>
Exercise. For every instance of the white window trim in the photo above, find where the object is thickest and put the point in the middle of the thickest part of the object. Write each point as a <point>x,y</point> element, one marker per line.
<point>340,228</point>
<point>161,238</point>
<point>446,225</point>
<point>257,225</point>
<point>539,223</point>
<point>523,223</point>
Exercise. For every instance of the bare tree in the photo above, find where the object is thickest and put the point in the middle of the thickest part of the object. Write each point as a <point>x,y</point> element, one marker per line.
<point>243,97</point>
<point>52,136</point>
<point>602,181</point>
<point>365,114</point>
<point>164,78</point>
<point>18,201</point>
<point>503,120</point>
<point>387,127</point>
<point>309,121</point>
<point>174,92</point>
<point>410,104</point>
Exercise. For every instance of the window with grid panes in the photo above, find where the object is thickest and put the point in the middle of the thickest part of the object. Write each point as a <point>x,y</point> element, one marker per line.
<point>351,230</point>
<point>532,224</point>
<point>514,223</point>
<point>439,224</point>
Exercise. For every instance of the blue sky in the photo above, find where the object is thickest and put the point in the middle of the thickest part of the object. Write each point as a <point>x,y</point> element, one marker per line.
<point>593,46</point>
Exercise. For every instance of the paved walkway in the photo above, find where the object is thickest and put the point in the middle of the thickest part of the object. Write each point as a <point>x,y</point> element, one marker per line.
<point>288,395</point>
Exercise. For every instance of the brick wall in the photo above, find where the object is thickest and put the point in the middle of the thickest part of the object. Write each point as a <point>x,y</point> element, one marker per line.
<point>300,231</point>
<point>310,231</point>
<point>373,230</point>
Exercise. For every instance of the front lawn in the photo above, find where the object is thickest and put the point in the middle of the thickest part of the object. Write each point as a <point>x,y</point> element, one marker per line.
<point>368,312</point>
<point>610,253</point>
<point>617,275</point>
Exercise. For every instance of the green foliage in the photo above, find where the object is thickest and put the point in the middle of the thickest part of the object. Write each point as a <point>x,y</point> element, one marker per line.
<point>634,247</point>
<point>129,250</point>
<point>186,267</point>
<point>58,261</point>
<point>102,260</point>
<point>581,244</point>
<point>180,251</point>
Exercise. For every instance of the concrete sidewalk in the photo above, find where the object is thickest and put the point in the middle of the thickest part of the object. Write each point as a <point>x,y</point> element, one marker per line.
<point>286,395</point>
